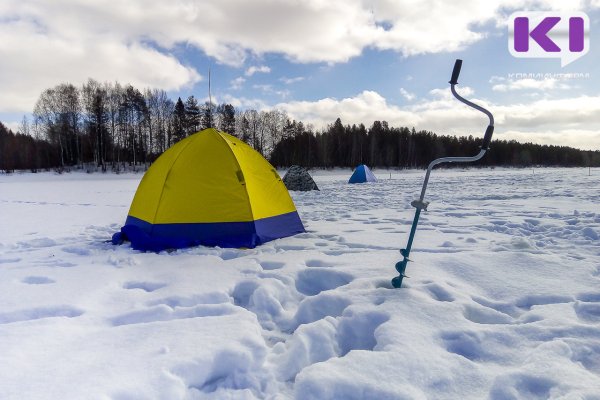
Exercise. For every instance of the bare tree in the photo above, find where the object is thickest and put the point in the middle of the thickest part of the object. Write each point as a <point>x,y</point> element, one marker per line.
<point>57,112</point>
<point>133,113</point>
<point>96,117</point>
<point>114,95</point>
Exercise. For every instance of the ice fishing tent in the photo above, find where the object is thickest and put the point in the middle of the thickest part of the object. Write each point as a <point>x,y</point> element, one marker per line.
<point>298,178</point>
<point>211,189</point>
<point>362,174</point>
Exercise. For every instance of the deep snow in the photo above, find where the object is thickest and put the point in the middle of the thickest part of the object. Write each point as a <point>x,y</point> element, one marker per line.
<point>503,300</point>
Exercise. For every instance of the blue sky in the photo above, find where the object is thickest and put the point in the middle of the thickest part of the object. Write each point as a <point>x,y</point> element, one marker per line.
<point>317,60</point>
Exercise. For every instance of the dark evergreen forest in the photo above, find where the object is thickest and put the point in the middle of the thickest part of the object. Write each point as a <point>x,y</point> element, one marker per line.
<point>115,127</point>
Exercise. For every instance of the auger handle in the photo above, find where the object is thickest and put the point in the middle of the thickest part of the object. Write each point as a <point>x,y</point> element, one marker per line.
<point>488,137</point>
<point>455,72</point>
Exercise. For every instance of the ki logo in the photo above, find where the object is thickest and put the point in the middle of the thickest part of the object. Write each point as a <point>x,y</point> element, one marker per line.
<point>541,34</point>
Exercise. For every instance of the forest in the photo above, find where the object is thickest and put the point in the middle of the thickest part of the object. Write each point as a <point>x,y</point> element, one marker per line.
<point>109,126</point>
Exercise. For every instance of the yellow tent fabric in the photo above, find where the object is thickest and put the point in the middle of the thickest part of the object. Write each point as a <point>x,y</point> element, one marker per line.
<point>210,188</point>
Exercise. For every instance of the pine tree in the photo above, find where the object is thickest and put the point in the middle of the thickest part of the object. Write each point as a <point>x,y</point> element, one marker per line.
<point>227,118</point>
<point>192,116</point>
<point>207,116</point>
<point>179,121</point>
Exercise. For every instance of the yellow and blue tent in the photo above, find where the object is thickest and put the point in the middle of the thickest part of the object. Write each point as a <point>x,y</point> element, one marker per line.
<point>209,189</point>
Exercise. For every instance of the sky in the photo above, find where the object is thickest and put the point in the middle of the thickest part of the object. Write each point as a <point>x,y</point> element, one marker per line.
<point>317,60</point>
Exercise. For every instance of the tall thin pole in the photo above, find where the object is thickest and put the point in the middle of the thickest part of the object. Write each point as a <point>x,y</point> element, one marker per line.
<point>209,96</point>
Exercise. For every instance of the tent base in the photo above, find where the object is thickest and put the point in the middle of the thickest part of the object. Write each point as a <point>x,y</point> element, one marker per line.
<point>156,237</point>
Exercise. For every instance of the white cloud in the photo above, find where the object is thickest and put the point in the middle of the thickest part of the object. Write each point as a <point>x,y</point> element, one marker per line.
<point>407,95</point>
<point>573,121</point>
<point>237,83</point>
<point>446,94</point>
<point>245,103</point>
<point>363,108</point>
<point>12,125</point>
<point>254,69</point>
<point>37,54</point>
<point>289,81</point>
<point>264,88</point>
<point>45,42</point>
<point>269,89</point>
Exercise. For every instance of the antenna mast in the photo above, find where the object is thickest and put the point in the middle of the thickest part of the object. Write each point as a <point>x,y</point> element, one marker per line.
<point>209,96</point>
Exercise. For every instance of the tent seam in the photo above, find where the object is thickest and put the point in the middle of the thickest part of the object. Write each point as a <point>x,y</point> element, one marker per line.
<point>240,168</point>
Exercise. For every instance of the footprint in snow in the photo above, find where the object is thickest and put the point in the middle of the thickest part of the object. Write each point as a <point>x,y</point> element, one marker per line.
<point>230,254</point>
<point>438,292</point>
<point>318,307</point>
<point>485,315</point>
<point>587,307</point>
<point>327,338</point>
<point>356,331</point>
<point>592,297</point>
<point>37,280</point>
<point>194,300</point>
<point>271,265</point>
<point>527,302</point>
<point>313,281</point>
<point>163,312</point>
<point>522,386</point>
<point>38,243</point>
<point>9,260</point>
<point>504,308</point>
<point>57,263</point>
<point>466,344</point>
<point>316,263</point>
<point>178,307</point>
<point>80,251</point>
<point>145,286</point>
<point>39,313</point>
<point>225,369</point>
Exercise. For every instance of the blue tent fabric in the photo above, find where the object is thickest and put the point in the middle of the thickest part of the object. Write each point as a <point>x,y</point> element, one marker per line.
<point>362,174</point>
<point>157,237</point>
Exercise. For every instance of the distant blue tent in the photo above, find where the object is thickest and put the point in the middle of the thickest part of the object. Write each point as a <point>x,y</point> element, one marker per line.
<point>362,174</point>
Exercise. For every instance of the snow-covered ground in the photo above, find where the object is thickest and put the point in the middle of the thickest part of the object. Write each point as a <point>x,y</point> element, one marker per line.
<point>503,300</point>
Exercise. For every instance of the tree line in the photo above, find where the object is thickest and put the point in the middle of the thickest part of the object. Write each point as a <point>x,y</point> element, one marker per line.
<point>389,147</point>
<point>111,125</point>
<point>114,126</point>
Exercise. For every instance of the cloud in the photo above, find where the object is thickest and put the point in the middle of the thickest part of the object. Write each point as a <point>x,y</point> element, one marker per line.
<point>363,108</point>
<point>12,125</point>
<point>237,83</point>
<point>572,121</point>
<point>524,84</point>
<point>268,89</point>
<point>289,81</point>
<point>245,103</point>
<point>38,52</point>
<point>264,88</point>
<point>46,42</point>
<point>254,69</point>
<point>446,94</point>
<point>407,95</point>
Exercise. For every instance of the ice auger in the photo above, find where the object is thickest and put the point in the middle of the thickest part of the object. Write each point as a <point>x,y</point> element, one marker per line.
<point>421,204</point>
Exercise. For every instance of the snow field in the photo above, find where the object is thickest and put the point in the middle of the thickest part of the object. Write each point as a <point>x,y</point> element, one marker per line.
<point>503,299</point>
